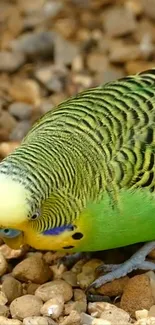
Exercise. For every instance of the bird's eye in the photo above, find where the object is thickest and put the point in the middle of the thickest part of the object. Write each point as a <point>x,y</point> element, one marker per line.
<point>9,233</point>
<point>35,215</point>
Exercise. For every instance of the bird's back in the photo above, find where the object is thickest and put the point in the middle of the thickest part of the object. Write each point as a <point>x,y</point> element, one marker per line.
<point>114,122</point>
<point>104,135</point>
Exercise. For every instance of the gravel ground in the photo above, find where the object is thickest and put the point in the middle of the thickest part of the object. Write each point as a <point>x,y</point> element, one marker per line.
<point>50,50</point>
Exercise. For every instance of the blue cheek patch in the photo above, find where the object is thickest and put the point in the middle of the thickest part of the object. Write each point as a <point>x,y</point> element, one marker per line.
<point>57,230</point>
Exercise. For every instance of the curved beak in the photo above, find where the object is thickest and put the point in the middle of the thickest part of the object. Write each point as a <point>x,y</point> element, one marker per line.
<point>16,242</point>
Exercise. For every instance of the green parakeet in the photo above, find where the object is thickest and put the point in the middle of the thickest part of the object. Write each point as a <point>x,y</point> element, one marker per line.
<point>83,179</point>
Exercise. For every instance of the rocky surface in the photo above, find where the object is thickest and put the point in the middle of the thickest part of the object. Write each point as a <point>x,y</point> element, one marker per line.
<point>50,50</point>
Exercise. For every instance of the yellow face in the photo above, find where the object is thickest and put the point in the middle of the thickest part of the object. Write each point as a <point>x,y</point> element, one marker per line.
<point>69,240</point>
<point>17,229</point>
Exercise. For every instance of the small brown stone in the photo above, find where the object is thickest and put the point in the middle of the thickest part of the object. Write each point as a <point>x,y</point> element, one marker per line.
<point>11,61</point>
<point>38,320</point>
<point>114,288</point>
<point>8,321</point>
<point>31,288</point>
<point>151,312</point>
<point>152,254</point>
<point>124,53</point>
<point>53,307</point>
<point>58,270</point>
<point>108,312</point>
<point>3,299</point>
<point>88,274</point>
<point>137,294</point>
<point>7,124</point>
<point>4,311</point>
<point>51,257</point>
<point>70,277</point>
<point>7,147</point>
<point>12,288</point>
<point>51,289</point>
<point>133,67</point>
<point>119,21</point>
<point>32,269</point>
<point>27,91</point>
<point>146,321</point>
<point>3,264</point>
<point>149,8</point>
<point>79,306</point>
<point>97,62</point>
<point>10,253</point>
<point>73,319</point>
<point>25,306</point>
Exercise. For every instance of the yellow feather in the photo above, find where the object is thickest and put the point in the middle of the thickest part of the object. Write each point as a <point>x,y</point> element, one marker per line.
<point>13,208</point>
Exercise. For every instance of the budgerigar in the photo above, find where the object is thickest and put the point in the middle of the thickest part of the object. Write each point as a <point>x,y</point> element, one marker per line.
<point>83,179</point>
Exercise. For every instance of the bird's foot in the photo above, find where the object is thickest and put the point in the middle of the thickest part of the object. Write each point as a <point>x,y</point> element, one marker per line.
<point>70,260</point>
<point>116,271</point>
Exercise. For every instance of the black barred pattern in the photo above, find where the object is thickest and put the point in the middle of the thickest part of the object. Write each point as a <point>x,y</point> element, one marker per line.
<point>102,139</point>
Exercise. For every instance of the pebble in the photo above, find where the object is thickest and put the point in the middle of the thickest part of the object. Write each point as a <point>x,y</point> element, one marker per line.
<point>124,53</point>
<point>4,311</point>
<point>151,312</point>
<point>53,307</point>
<point>34,44</point>
<point>58,270</point>
<point>79,306</point>
<point>77,267</point>
<point>5,149</point>
<point>32,287</point>
<point>8,252</point>
<point>27,91</point>
<point>8,321</point>
<point>79,295</point>
<point>149,8</point>
<point>51,257</point>
<point>109,74</point>
<point>97,321</point>
<point>64,51</point>
<point>133,67</point>
<point>52,289</point>
<point>88,274</point>
<point>114,288</point>
<point>51,9</point>
<point>146,321</point>
<point>70,277</point>
<point>11,61</point>
<point>86,319</point>
<point>137,294</point>
<point>19,132</point>
<point>3,264</point>
<point>32,269</point>
<point>29,7</point>
<point>73,319</point>
<point>97,62</point>
<point>7,125</point>
<point>52,77</point>
<point>108,312</point>
<point>3,298</point>
<point>119,21</point>
<point>25,306</point>
<point>12,288</point>
<point>20,110</point>
<point>139,314</point>
<point>38,320</point>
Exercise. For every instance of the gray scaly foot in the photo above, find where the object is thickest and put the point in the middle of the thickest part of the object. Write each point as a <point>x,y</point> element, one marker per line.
<point>136,261</point>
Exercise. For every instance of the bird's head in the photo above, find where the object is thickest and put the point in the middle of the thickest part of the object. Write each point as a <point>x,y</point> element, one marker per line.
<point>14,211</point>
